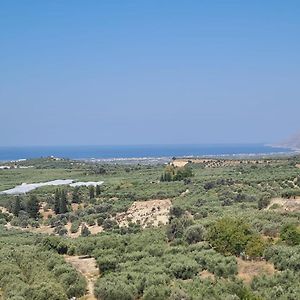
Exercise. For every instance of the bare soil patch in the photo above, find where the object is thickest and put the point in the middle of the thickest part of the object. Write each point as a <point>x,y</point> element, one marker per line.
<point>88,268</point>
<point>185,193</point>
<point>179,163</point>
<point>46,212</point>
<point>247,270</point>
<point>146,213</point>
<point>75,206</point>
<point>207,275</point>
<point>93,229</point>
<point>5,210</point>
<point>292,204</point>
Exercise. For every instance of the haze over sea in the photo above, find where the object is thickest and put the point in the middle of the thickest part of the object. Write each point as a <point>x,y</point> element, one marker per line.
<point>137,151</point>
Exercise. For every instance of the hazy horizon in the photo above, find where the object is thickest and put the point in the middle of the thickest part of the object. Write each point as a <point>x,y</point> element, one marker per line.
<point>148,72</point>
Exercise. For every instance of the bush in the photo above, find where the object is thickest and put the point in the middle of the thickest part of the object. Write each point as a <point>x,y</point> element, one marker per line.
<point>75,226</point>
<point>179,294</point>
<point>194,234</point>
<point>231,236</point>
<point>84,230</point>
<point>290,234</point>
<point>113,288</point>
<point>159,292</point>
<point>109,224</point>
<point>182,267</point>
<point>107,263</point>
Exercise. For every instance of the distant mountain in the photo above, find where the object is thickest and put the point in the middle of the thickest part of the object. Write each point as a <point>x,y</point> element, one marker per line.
<point>292,142</point>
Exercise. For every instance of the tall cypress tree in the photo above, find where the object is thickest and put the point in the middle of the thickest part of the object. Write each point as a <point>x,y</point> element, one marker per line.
<point>17,206</point>
<point>75,195</point>
<point>57,201</point>
<point>98,190</point>
<point>63,202</point>
<point>33,207</point>
<point>92,192</point>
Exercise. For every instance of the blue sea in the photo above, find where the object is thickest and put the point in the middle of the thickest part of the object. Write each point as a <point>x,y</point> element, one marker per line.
<point>139,151</point>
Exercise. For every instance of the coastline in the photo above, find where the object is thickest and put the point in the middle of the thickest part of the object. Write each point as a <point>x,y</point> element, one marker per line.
<point>144,153</point>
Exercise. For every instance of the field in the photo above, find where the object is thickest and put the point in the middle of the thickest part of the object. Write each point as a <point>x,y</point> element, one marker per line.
<point>194,229</point>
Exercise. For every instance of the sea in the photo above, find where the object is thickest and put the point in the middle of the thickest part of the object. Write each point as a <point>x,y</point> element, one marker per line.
<point>132,153</point>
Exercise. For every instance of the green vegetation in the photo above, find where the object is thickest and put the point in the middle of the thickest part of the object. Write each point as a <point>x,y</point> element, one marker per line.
<point>172,173</point>
<point>28,271</point>
<point>234,236</point>
<point>222,213</point>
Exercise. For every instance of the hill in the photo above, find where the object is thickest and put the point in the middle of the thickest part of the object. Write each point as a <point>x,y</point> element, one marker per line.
<point>292,142</point>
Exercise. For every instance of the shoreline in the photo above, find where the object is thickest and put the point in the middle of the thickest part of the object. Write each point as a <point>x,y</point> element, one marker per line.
<point>166,159</point>
<point>142,154</point>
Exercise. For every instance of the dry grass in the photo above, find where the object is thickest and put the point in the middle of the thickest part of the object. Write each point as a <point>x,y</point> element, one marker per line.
<point>46,212</point>
<point>146,213</point>
<point>179,163</point>
<point>247,270</point>
<point>285,204</point>
<point>207,275</point>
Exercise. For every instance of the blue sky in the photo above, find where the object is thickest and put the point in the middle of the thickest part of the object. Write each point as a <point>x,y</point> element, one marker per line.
<point>148,72</point>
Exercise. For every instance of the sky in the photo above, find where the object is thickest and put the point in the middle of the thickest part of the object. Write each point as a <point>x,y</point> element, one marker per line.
<point>118,72</point>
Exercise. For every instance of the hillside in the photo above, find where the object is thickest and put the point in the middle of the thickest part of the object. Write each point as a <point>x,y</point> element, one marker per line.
<point>211,229</point>
<point>292,142</point>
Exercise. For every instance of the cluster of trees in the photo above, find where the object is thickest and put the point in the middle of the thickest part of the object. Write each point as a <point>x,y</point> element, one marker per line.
<point>94,191</point>
<point>204,234</point>
<point>231,236</point>
<point>145,266</point>
<point>60,201</point>
<point>172,173</point>
<point>31,206</point>
<point>25,211</point>
<point>282,285</point>
<point>28,272</point>
<point>217,183</point>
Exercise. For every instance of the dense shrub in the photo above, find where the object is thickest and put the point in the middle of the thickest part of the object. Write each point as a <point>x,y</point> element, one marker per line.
<point>233,236</point>
<point>112,288</point>
<point>290,233</point>
<point>194,234</point>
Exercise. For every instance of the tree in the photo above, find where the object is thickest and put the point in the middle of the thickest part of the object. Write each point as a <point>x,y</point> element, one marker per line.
<point>33,207</point>
<point>263,202</point>
<point>255,247</point>
<point>290,234</point>
<point>156,292</point>
<point>17,206</point>
<point>176,227</point>
<point>60,202</point>
<point>98,190</point>
<point>112,288</point>
<point>75,195</point>
<point>194,234</point>
<point>92,192</point>
<point>63,202</point>
<point>184,269</point>
<point>57,201</point>
<point>229,235</point>
<point>176,211</point>
<point>84,230</point>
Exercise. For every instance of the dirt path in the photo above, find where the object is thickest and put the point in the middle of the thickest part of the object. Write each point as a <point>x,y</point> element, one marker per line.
<point>88,268</point>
